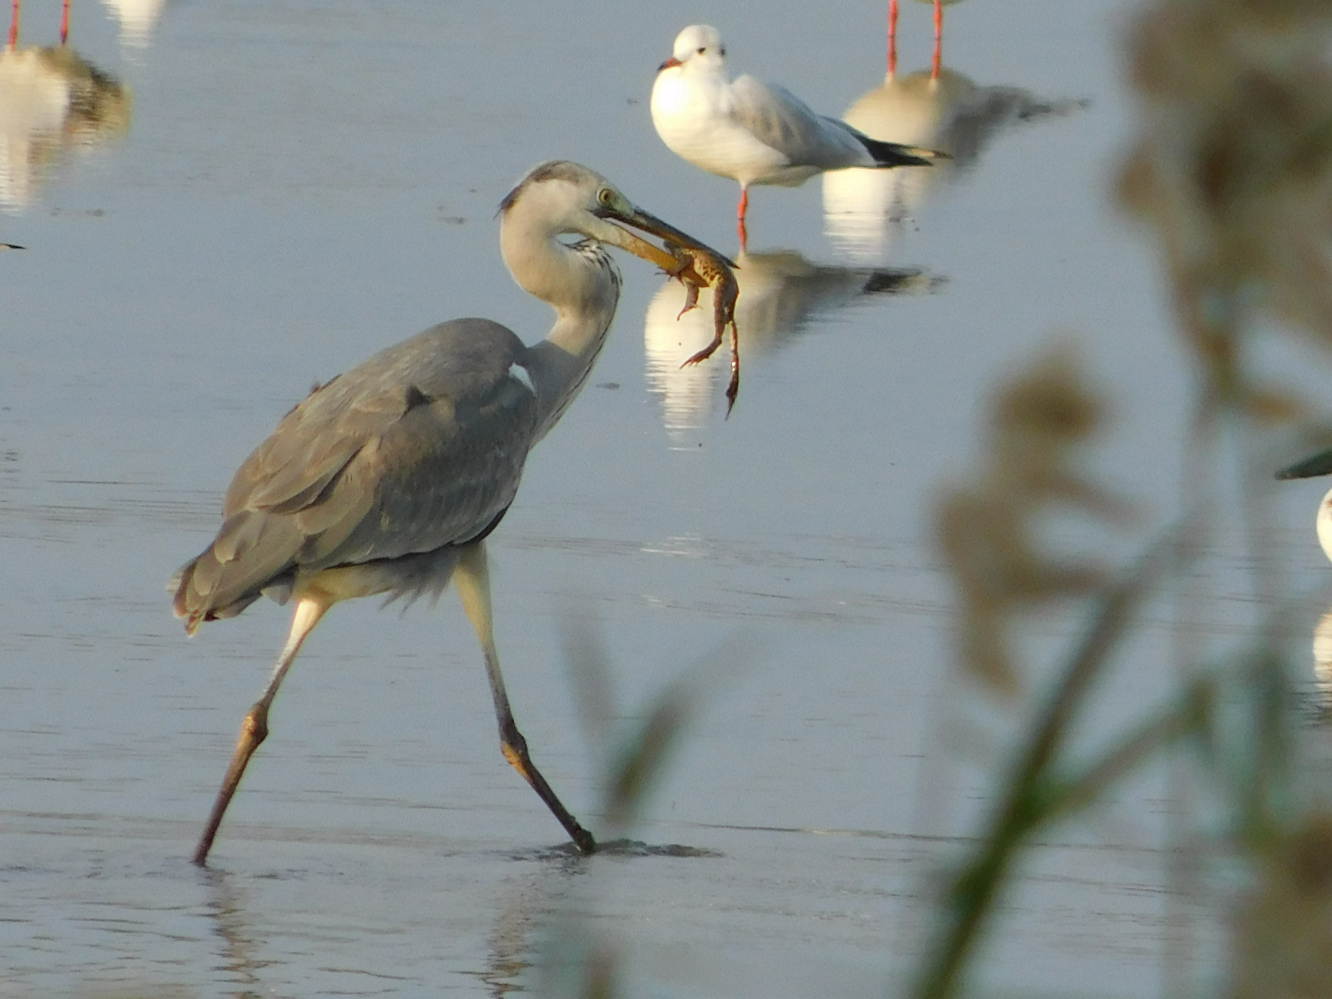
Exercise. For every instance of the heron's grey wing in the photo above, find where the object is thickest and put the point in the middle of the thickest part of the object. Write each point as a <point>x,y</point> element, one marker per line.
<point>782,121</point>
<point>419,447</point>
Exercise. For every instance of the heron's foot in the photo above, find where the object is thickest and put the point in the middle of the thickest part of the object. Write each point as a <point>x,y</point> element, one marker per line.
<point>514,747</point>
<point>585,842</point>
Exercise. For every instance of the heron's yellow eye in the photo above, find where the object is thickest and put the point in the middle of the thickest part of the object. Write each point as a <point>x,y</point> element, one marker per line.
<point>605,195</point>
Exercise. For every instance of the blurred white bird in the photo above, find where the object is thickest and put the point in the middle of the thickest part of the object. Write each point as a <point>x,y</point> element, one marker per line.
<point>1319,464</point>
<point>939,108</point>
<point>52,101</point>
<point>752,132</point>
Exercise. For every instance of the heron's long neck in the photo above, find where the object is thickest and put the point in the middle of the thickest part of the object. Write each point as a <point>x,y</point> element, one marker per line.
<point>581,283</point>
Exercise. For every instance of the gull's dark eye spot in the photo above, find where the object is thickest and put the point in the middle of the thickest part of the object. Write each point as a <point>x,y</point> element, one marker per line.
<point>702,50</point>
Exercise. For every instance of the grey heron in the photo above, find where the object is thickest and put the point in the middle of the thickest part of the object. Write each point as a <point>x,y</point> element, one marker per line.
<point>752,132</point>
<point>387,479</point>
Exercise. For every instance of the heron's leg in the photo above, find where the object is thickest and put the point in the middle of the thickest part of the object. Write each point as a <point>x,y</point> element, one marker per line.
<point>254,729</point>
<point>472,577</point>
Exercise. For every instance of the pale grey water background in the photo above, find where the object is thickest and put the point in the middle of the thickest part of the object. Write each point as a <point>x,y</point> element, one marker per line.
<point>302,183</point>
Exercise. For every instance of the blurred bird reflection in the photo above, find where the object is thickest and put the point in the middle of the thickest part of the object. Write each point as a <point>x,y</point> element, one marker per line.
<point>52,100</point>
<point>138,20</point>
<point>943,110</point>
<point>1322,654</point>
<point>781,294</point>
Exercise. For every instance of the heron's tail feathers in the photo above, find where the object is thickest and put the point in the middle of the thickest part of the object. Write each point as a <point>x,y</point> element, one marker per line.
<point>241,565</point>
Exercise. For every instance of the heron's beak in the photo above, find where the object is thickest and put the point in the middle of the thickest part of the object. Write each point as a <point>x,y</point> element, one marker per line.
<point>649,223</point>
<point>1319,464</point>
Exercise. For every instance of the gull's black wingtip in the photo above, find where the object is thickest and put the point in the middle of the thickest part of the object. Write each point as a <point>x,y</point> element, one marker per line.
<point>1318,464</point>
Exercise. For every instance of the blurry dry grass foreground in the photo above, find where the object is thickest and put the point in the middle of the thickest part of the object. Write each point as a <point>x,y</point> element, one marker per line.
<point>1232,169</point>
<point>988,528</point>
<point>1231,166</point>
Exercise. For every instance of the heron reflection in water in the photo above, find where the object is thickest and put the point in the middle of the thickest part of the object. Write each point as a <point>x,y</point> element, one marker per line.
<point>389,478</point>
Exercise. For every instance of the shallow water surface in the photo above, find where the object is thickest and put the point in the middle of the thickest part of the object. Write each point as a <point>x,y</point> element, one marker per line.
<point>285,187</point>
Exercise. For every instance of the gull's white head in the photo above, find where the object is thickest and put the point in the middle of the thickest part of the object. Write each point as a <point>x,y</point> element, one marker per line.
<point>698,48</point>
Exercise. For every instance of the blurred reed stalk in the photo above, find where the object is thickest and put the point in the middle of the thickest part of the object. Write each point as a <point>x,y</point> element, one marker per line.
<point>1232,171</point>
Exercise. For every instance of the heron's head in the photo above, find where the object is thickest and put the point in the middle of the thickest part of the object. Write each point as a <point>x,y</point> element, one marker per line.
<point>560,197</point>
<point>699,48</point>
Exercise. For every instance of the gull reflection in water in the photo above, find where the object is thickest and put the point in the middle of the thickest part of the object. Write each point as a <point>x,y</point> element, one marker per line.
<point>52,100</point>
<point>780,294</point>
<point>1322,654</point>
<point>939,108</point>
<point>138,20</point>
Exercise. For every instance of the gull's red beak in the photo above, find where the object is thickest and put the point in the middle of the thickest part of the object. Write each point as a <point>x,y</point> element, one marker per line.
<point>672,61</point>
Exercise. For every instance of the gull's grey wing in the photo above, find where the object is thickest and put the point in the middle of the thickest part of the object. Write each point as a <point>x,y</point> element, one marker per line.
<point>780,120</point>
<point>420,447</point>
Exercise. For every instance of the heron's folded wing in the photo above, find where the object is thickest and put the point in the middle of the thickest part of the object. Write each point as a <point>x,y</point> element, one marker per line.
<point>438,475</point>
<point>417,448</point>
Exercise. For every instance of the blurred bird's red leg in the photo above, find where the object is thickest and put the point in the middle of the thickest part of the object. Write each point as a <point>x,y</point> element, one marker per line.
<point>892,38</point>
<point>64,22</point>
<point>938,40</point>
